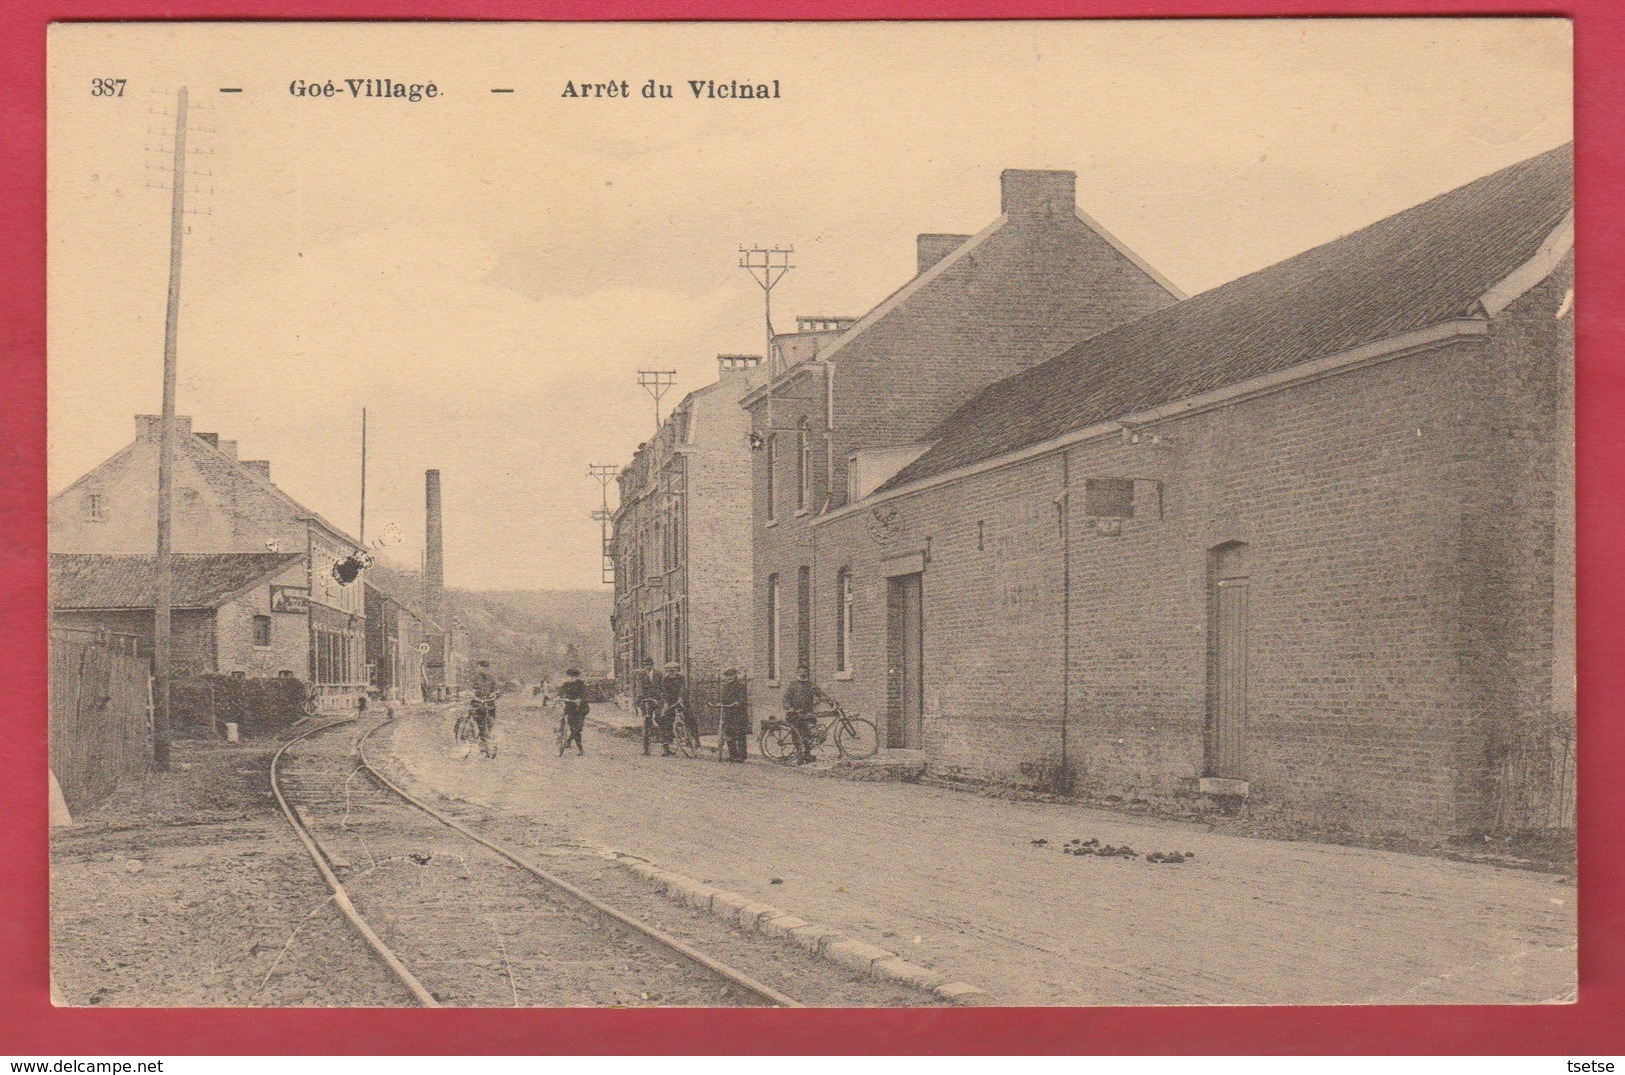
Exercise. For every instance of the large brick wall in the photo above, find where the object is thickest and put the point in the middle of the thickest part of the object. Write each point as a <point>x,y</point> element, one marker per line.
<point>1393,516</point>
<point>1042,281</point>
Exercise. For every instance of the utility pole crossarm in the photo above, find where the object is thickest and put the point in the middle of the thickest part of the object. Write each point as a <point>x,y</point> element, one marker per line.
<point>767,266</point>
<point>605,473</point>
<point>657,383</point>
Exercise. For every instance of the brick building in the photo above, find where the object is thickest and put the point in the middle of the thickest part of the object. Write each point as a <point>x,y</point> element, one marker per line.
<point>842,417</point>
<point>399,636</point>
<point>225,505</point>
<point>1304,540</point>
<point>681,537</point>
<point>225,608</point>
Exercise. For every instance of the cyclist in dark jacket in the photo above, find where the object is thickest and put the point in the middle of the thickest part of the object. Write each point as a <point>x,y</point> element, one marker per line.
<point>800,699</point>
<point>573,693</point>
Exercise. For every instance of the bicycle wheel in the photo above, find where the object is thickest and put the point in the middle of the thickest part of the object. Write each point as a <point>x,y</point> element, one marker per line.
<point>856,738</point>
<point>687,736</point>
<point>778,742</point>
<point>466,731</point>
<point>561,734</point>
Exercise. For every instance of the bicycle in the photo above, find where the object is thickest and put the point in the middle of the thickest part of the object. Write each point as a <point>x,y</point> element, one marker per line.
<point>466,732</point>
<point>685,736</point>
<point>685,733</point>
<point>722,723</point>
<point>482,711</point>
<point>649,709</point>
<point>855,737</point>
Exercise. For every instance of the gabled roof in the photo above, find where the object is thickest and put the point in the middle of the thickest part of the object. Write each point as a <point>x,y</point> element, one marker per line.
<point>201,580</point>
<point>235,470</point>
<point>216,464</point>
<point>1429,264</point>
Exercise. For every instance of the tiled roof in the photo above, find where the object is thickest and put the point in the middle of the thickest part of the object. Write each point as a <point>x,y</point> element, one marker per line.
<point>1418,268</point>
<point>201,580</point>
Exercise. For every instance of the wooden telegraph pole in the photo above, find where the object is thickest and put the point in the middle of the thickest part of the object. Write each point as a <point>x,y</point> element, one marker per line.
<point>363,536</point>
<point>164,566</point>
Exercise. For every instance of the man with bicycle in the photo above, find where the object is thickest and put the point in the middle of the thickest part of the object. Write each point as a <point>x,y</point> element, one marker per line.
<point>673,688</point>
<point>484,705</point>
<point>801,698</point>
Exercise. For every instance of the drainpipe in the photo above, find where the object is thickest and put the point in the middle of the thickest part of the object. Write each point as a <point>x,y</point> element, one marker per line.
<point>1066,611</point>
<point>829,431</point>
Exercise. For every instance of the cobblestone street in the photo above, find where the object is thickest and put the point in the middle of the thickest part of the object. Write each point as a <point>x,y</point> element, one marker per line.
<point>954,881</point>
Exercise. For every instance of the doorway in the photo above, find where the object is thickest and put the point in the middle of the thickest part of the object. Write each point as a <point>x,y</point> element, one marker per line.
<point>905,650</point>
<point>1225,749</point>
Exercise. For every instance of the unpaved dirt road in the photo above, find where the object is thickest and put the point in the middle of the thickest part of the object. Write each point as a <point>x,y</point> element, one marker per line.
<point>954,881</point>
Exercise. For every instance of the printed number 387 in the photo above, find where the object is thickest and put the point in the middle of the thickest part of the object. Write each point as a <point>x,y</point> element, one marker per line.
<point>107,87</point>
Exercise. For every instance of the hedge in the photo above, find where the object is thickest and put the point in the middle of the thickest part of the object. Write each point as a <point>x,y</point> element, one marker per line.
<point>256,706</point>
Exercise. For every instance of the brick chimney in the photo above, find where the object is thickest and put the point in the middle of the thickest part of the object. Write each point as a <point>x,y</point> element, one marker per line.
<point>262,467</point>
<point>727,364</point>
<point>933,248</point>
<point>1024,192</point>
<point>434,551</point>
<point>146,426</point>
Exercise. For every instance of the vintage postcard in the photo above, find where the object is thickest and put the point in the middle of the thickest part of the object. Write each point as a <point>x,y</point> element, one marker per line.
<point>841,515</point>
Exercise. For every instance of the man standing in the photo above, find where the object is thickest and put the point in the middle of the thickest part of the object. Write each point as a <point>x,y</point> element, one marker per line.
<point>735,724</point>
<point>800,699</point>
<point>573,693</point>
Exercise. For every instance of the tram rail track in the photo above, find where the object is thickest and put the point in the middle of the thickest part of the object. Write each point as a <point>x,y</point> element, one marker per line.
<point>386,931</point>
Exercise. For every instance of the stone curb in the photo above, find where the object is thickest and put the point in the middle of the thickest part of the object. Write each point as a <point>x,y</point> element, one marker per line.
<point>821,941</point>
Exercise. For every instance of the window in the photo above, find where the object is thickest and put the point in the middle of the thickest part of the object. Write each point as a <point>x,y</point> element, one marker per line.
<point>1112,503</point>
<point>803,618</point>
<point>262,630</point>
<point>843,620</point>
<point>770,456</point>
<point>95,507</point>
<point>1109,498</point>
<point>803,471</point>
<point>772,627</point>
<point>677,631</point>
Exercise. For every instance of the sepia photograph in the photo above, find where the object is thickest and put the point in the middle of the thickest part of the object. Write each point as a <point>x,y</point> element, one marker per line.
<point>835,515</point>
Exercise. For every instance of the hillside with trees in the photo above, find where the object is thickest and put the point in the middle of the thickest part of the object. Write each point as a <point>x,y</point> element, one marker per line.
<point>525,634</point>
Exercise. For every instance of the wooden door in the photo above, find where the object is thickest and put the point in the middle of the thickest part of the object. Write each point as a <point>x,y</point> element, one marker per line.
<point>1227,664</point>
<point>905,649</point>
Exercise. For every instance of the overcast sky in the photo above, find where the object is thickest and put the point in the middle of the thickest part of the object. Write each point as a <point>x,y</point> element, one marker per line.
<point>486,272</point>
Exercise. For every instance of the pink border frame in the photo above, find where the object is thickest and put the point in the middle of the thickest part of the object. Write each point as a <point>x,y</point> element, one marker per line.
<point>1595,1025</point>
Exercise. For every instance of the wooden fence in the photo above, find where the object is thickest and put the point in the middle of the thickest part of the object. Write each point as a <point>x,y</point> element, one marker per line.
<point>101,725</point>
<point>1534,781</point>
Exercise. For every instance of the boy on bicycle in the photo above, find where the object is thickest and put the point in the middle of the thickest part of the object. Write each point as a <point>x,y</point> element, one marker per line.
<point>484,706</point>
<point>573,693</point>
<point>800,699</point>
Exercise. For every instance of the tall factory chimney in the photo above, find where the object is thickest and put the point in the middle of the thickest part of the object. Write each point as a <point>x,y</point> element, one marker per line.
<point>434,548</point>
